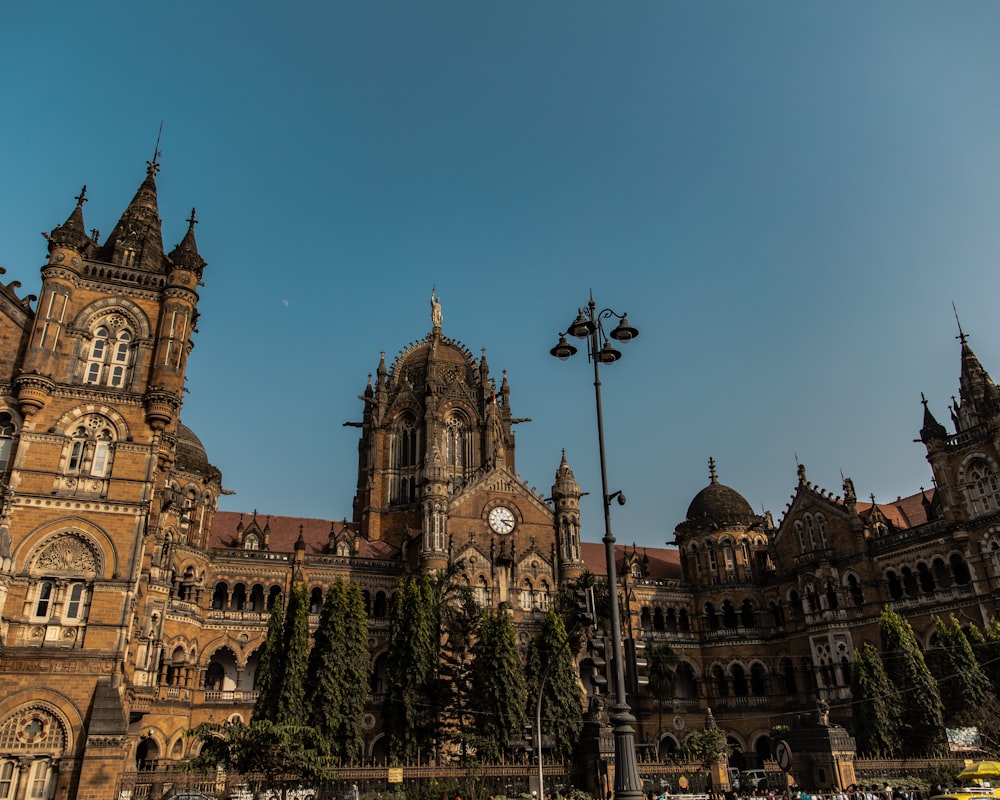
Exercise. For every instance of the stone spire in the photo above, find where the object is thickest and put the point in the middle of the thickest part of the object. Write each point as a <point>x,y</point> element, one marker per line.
<point>976,385</point>
<point>137,239</point>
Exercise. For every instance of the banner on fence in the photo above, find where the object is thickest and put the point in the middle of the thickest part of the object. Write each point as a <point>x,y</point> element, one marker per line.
<point>394,775</point>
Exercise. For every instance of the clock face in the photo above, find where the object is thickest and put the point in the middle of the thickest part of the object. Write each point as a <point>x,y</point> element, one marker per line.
<point>501,519</point>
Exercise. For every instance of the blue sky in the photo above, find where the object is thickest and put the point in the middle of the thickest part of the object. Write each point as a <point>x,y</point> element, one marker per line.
<point>786,198</point>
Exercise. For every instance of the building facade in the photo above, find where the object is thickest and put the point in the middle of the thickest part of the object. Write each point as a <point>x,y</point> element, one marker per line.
<point>132,609</point>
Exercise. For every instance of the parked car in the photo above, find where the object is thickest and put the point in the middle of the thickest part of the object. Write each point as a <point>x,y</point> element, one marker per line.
<point>753,778</point>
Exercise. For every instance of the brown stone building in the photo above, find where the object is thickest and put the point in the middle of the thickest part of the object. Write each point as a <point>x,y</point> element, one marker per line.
<point>132,609</point>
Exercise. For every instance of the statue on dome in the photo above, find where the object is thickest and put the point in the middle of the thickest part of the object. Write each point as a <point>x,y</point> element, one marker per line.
<point>436,316</point>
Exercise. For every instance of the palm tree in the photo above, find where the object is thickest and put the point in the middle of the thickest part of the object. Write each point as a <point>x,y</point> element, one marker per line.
<point>662,675</point>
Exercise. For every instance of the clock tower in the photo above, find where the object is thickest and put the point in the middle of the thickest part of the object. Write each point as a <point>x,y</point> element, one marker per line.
<point>437,476</point>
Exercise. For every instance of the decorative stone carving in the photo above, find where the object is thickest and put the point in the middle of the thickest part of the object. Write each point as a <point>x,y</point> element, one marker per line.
<point>67,554</point>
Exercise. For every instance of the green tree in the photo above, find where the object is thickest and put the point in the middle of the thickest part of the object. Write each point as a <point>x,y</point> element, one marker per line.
<point>921,719</point>
<point>986,646</point>
<point>706,746</point>
<point>875,717</point>
<point>962,684</point>
<point>272,757</point>
<point>497,685</point>
<point>550,659</point>
<point>412,672</point>
<point>291,709</point>
<point>338,672</point>
<point>662,676</point>
<point>269,667</point>
<point>457,616</point>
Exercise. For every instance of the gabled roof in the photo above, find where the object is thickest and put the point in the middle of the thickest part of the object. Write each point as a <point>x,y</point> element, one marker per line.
<point>664,563</point>
<point>284,531</point>
<point>904,512</point>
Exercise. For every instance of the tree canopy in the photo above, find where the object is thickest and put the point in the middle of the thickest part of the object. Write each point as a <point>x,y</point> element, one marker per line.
<point>921,717</point>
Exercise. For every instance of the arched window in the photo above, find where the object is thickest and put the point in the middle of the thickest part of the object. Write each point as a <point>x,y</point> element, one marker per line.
<point>832,601</point>
<point>683,621</point>
<point>109,354</point>
<point>89,453</point>
<point>728,614</point>
<point>894,584</point>
<point>7,429</point>
<point>720,684</point>
<point>59,600</point>
<point>925,578</point>
<point>251,542</point>
<point>381,604</point>
<point>344,548</point>
<point>748,616</point>
<point>526,596</point>
<point>543,596</point>
<point>257,598</point>
<point>788,676</point>
<point>983,487</point>
<point>740,687</point>
<point>757,679</point>
<point>482,593</point>
<point>686,686</point>
<point>457,442</point>
<point>960,570</point>
<point>406,454</point>
<point>220,597</point>
<point>854,589</point>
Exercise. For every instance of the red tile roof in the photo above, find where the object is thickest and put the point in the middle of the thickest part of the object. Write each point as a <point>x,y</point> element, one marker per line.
<point>905,512</point>
<point>664,562</point>
<point>284,532</point>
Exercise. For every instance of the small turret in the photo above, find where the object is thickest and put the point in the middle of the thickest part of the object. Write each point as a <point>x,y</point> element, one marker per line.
<point>932,430</point>
<point>72,234</point>
<point>185,255</point>
<point>566,497</point>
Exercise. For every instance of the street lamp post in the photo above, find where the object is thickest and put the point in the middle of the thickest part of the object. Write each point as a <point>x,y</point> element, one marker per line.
<point>588,325</point>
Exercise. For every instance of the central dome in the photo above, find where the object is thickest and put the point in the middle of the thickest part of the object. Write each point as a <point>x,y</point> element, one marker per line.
<point>718,503</point>
<point>717,506</point>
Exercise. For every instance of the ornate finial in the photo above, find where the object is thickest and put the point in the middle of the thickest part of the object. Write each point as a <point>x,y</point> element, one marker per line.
<point>436,317</point>
<point>152,167</point>
<point>872,496</point>
<point>712,476</point>
<point>961,334</point>
<point>191,221</point>
<point>801,469</point>
<point>82,197</point>
<point>95,234</point>
<point>923,399</point>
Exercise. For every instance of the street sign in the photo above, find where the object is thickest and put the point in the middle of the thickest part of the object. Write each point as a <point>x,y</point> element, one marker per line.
<point>783,755</point>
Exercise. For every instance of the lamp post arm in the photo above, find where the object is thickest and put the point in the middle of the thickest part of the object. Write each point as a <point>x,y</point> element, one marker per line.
<point>538,706</point>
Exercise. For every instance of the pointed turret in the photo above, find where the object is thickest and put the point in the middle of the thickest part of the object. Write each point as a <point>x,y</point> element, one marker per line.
<point>186,254</point>
<point>137,239</point>
<point>932,430</point>
<point>566,497</point>
<point>72,234</point>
